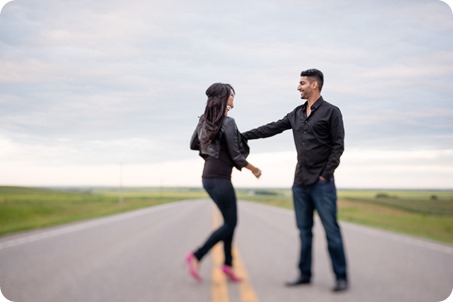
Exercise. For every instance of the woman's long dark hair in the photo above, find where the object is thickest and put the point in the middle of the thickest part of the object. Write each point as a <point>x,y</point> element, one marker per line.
<point>214,113</point>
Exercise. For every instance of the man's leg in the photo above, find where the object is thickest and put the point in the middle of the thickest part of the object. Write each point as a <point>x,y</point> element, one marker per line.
<point>303,208</point>
<point>325,200</point>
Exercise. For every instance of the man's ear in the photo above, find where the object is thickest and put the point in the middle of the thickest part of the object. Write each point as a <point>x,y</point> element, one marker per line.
<point>314,84</point>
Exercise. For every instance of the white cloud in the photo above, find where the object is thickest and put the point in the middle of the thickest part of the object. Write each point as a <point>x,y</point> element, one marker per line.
<point>88,84</point>
<point>358,169</point>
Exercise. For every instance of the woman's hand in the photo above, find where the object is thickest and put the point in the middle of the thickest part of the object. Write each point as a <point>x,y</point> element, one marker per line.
<point>255,170</point>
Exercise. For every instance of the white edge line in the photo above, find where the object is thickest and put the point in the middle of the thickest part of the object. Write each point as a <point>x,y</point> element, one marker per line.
<point>83,226</point>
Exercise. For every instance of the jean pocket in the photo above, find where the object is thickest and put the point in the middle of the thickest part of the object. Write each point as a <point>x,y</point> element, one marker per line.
<point>323,181</point>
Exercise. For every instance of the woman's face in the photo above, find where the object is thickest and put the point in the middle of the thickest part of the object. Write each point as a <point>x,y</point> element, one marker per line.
<point>230,101</point>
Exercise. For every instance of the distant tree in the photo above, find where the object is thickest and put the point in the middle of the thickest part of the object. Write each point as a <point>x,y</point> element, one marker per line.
<point>265,192</point>
<point>382,195</point>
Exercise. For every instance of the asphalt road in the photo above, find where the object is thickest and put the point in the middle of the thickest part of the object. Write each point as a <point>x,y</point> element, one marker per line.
<point>139,256</point>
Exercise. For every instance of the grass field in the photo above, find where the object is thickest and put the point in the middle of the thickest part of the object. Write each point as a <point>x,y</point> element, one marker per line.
<point>427,214</point>
<point>30,208</point>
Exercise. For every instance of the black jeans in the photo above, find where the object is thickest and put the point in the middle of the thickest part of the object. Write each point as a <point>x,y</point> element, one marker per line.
<point>222,193</point>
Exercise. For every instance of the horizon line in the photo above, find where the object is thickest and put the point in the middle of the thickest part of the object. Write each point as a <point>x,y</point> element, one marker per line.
<point>201,188</point>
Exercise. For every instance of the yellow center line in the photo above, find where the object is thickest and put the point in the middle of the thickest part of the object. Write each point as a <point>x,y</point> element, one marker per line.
<point>247,292</point>
<point>219,285</point>
<point>219,281</point>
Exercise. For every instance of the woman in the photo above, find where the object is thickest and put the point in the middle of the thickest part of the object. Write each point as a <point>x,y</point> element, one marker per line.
<point>220,144</point>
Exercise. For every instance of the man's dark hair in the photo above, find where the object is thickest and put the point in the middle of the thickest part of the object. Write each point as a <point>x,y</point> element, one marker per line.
<point>314,74</point>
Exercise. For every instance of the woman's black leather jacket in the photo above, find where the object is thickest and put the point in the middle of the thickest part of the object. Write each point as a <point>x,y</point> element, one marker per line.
<point>236,144</point>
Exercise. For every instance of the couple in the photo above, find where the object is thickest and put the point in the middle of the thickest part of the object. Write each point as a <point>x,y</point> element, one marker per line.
<point>319,138</point>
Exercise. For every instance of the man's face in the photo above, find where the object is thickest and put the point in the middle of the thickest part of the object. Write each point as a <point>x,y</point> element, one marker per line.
<point>305,88</point>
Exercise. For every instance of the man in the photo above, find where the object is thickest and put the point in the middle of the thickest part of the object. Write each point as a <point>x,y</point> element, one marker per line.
<point>319,138</point>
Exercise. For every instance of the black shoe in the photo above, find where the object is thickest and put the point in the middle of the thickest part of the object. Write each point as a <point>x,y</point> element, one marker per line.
<point>340,285</point>
<point>298,281</point>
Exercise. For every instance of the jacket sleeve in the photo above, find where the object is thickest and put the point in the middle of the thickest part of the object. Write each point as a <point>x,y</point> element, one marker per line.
<point>233,140</point>
<point>194,141</point>
<point>337,131</point>
<point>269,130</point>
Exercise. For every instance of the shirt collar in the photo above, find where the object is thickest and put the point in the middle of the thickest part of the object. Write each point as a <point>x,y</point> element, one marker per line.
<point>315,105</point>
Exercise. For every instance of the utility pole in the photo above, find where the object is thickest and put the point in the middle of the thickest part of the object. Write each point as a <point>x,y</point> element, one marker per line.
<point>120,195</point>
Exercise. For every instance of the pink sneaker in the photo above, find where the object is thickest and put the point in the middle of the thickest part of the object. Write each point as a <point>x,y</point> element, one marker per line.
<point>193,270</point>
<point>228,270</point>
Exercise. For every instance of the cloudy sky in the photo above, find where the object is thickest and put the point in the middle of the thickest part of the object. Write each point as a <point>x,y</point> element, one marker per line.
<point>108,92</point>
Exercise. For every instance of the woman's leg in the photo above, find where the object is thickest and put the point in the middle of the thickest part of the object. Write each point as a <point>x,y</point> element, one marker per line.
<point>229,214</point>
<point>222,193</point>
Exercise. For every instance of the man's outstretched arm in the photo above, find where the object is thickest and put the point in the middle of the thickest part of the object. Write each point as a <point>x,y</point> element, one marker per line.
<point>268,130</point>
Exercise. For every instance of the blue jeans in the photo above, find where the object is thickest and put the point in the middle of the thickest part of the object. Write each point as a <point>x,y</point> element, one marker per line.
<point>222,193</point>
<point>322,197</point>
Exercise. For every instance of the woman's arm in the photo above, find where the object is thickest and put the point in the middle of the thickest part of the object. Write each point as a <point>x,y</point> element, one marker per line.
<point>233,138</point>
<point>194,141</point>
<point>255,170</point>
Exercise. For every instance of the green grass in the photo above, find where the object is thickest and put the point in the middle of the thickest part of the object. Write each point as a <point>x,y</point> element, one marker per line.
<point>437,203</point>
<point>30,208</point>
<point>427,214</point>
